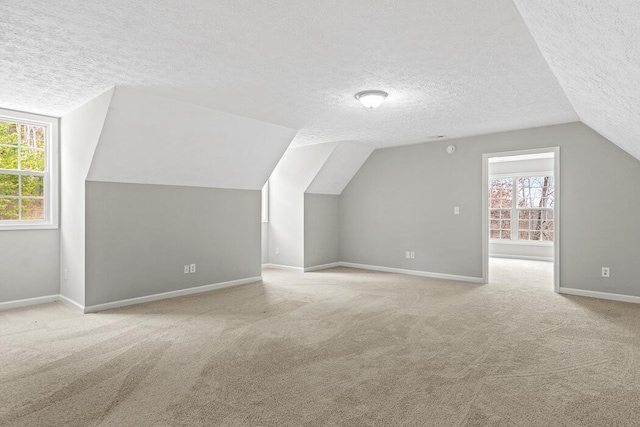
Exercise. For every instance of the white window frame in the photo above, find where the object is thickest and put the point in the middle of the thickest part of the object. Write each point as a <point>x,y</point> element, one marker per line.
<point>50,174</point>
<point>515,210</point>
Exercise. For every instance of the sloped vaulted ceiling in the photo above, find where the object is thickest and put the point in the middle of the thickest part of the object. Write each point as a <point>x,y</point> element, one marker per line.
<point>453,67</point>
<point>148,139</point>
<point>593,47</point>
<point>340,167</point>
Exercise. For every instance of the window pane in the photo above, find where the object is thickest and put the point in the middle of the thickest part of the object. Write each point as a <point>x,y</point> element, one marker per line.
<point>535,192</point>
<point>23,149</point>
<point>8,133</point>
<point>495,234</point>
<point>9,158</point>
<point>32,186</point>
<point>500,192</point>
<point>9,185</point>
<point>32,209</point>
<point>505,235</point>
<point>31,136</point>
<point>506,214</point>
<point>495,214</point>
<point>549,193</point>
<point>9,209</point>
<point>506,225</point>
<point>32,160</point>
<point>495,225</point>
<point>533,224</point>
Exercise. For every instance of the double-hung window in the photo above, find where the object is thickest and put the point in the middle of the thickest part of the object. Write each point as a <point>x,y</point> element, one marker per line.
<point>28,171</point>
<point>521,208</point>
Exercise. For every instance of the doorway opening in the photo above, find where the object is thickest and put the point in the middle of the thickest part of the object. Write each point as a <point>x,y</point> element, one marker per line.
<point>521,208</point>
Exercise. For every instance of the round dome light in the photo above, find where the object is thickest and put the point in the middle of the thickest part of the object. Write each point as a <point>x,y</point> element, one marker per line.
<point>371,98</point>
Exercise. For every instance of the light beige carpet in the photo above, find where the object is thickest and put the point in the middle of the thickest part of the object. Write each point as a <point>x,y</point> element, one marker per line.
<point>338,347</point>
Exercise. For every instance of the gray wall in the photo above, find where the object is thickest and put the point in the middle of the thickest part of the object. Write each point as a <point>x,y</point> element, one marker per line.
<point>403,199</point>
<point>140,236</point>
<point>532,251</point>
<point>30,264</point>
<point>321,229</point>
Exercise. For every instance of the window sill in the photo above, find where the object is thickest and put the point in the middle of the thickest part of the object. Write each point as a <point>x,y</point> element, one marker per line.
<point>520,243</point>
<point>23,227</point>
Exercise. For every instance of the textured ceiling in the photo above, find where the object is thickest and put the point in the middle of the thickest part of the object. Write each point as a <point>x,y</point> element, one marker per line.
<point>593,47</point>
<point>453,67</point>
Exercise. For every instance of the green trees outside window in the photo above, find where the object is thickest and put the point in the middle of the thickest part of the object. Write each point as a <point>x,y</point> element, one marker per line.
<point>22,171</point>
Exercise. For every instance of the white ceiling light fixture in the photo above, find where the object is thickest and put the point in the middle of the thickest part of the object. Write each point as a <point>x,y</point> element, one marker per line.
<point>371,98</point>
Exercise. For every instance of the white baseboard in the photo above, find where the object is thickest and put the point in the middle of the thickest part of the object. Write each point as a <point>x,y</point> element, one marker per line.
<point>524,257</point>
<point>283,267</point>
<point>322,267</point>
<point>601,295</point>
<point>28,302</point>
<point>171,294</point>
<point>71,303</point>
<point>414,272</point>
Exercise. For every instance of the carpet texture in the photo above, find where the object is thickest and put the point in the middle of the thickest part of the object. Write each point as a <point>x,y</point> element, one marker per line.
<point>337,347</point>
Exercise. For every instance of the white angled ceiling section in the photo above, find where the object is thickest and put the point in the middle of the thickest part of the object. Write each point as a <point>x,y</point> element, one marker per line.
<point>148,139</point>
<point>341,166</point>
<point>593,47</point>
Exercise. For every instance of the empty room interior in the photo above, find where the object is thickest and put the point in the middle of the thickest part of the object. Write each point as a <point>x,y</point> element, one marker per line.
<point>287,213</point>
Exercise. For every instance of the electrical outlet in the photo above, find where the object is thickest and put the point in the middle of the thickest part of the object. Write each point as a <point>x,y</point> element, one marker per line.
<point>407,255</point>
<point>606,272</point>
<point>277,251</point>
<point>186,269</point>
<point>192,268</point>
<point>413,255</point>
<point>456,210</point>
